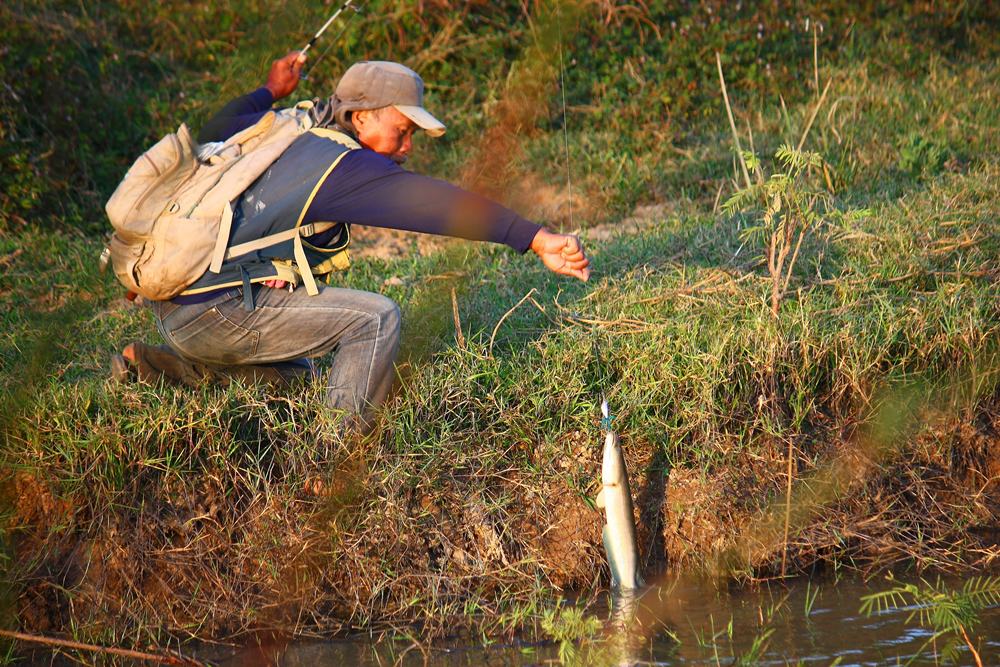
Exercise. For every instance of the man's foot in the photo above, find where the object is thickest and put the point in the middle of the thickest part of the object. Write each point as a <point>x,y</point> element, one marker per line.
<point>124,366</point>
<point>151,363</point>
<point>120,370</point>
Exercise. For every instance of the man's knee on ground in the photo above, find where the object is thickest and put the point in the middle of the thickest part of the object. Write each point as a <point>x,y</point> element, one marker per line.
<point>389,315</point>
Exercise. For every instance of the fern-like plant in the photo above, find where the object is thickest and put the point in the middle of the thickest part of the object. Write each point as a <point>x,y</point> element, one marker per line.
<point>951,614</point>
<point>570,627</point>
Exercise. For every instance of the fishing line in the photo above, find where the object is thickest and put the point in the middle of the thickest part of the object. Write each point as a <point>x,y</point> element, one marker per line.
<point>325,51</point>
<point>606,414</point>
<point>565,129</point>
<point>603,380</point>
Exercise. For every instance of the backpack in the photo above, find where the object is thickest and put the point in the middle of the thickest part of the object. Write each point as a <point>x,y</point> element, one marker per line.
<point>172,213</point>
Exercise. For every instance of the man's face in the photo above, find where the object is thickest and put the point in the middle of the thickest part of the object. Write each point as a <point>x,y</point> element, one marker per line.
<point>385,131</point>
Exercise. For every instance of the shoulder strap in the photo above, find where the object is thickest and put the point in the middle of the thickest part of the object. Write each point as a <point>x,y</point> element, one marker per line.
<point>295,235</point>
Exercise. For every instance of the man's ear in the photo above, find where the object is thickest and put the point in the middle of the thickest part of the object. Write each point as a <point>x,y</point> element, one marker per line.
<point>359,118</point>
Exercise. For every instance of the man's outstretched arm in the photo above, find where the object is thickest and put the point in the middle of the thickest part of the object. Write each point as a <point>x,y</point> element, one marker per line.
<point>370,189</point>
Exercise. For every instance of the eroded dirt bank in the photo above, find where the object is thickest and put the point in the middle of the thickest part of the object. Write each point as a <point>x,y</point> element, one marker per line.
<point>369,538</point>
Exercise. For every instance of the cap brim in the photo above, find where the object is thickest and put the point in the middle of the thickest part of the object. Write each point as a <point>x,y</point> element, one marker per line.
<point>424,120</point>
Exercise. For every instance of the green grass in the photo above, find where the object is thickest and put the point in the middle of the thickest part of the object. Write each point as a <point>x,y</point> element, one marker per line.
<point>176,512</point>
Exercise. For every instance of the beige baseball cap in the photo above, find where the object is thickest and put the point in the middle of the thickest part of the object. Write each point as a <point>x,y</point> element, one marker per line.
<point>373,84</point>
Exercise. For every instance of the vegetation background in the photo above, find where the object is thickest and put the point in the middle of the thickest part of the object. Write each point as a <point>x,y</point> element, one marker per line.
<point>856,428</point>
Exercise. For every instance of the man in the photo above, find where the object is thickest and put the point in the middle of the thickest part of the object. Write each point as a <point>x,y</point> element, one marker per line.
<point>250,320</point>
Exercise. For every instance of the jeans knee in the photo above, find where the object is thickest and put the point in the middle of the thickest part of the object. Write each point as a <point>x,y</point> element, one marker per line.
<point>389,316</point>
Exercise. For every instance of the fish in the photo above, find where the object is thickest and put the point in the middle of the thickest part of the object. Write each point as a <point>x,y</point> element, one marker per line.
<point>615,499</point>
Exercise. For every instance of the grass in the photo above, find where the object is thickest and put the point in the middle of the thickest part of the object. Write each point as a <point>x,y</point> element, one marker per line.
<point>134,514</point>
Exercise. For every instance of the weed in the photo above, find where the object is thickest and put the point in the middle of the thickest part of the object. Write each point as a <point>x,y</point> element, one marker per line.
<point>949,614</point>
<point>810,600</point>
<point>786,207</point>
<point>920,155</point>
<point>569,626</point>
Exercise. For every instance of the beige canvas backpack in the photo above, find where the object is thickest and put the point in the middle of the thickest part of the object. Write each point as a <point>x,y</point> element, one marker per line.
<point>172,212</point>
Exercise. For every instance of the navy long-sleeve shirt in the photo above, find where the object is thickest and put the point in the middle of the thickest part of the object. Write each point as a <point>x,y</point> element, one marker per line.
<point>369,189</point>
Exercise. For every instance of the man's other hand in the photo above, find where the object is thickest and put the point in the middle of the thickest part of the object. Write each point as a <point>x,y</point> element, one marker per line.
<point>284,75</point>
<point>561,253</point>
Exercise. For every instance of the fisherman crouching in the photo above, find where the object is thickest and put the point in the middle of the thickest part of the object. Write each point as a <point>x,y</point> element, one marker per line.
<point>252,320</point>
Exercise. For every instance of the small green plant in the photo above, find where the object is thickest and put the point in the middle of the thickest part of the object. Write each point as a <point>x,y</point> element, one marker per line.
<point>811,595</point>
<point>921,156</point>
<point>785,208</point>
<point>569,626</point>
<point>754,654</point>
<point>951,614</point>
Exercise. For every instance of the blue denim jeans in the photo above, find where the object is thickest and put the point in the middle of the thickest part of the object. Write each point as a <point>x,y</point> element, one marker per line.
<point>361,328</point>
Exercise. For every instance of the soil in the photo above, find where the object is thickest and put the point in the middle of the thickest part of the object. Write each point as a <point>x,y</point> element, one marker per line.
<point>392,244</point>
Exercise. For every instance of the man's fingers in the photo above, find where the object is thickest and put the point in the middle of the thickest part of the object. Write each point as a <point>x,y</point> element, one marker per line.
<point>573,250</point>
<point>571,244</point>
<point>562,254</point>
<point>294,61</point>
<point>284,75</point>
<point>576,259</point>
<point>579,270</point>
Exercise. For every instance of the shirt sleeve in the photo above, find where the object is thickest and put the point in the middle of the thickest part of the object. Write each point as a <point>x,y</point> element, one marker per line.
<point>238,115</point>
<point>369,189</point>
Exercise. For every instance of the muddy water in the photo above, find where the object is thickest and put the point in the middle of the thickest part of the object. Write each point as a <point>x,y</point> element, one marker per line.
<point>693,624</point>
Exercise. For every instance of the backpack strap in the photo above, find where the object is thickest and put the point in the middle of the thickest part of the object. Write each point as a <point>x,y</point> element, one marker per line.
<point>304,269</point>
<point>225,227</point>
<point>248,304</point>
<point>294,235</point>
<point>272,239</point>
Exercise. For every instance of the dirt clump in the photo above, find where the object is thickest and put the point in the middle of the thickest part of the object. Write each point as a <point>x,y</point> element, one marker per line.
<point>699,515</point>
<point>567,547</point>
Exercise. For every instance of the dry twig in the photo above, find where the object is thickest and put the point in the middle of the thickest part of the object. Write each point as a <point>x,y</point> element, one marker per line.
<point>170,658</point>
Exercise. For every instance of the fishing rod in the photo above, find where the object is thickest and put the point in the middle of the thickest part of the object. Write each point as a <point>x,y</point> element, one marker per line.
<point>349,4</point>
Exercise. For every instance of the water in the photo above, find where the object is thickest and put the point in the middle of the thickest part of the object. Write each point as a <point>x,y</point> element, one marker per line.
<point>689,622</point>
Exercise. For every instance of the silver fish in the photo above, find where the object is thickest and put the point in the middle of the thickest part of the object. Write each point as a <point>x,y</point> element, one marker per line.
<point>616,500</point>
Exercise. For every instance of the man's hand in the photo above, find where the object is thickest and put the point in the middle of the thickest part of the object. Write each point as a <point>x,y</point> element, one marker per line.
<point>284,75</point>
<point>561,253</point>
